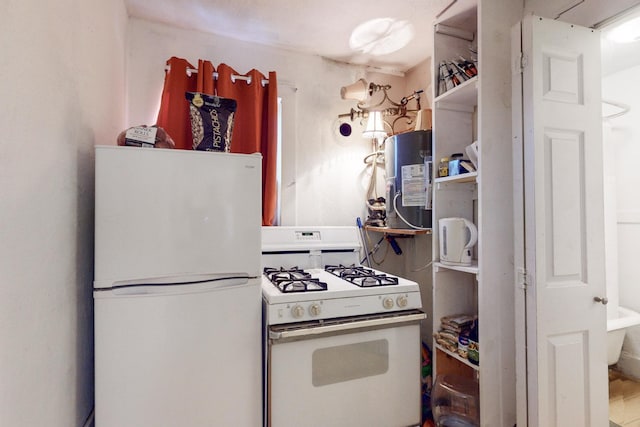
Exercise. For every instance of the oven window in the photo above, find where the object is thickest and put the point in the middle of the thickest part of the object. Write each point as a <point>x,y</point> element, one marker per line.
<point>341,363</point>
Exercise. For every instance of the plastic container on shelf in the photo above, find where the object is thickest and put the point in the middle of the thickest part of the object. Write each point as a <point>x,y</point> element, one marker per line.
<point>473,350</point>
<point>443,167</point>
<point>454,164</point>
<point>455,401</point>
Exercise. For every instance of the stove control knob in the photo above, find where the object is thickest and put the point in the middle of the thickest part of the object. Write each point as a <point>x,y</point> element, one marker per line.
<point>387,303</point>
<point>402,301</point>
<point>314,309</point>
<point>297,311</point>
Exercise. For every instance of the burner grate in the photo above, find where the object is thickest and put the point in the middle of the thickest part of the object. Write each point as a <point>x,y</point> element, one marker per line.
<point>361,276</point>
<point>282,273</point>
<point>372,280</point>
<point>293,280</point>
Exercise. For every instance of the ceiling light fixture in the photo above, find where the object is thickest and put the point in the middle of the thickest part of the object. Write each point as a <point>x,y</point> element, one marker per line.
<point>381,36</point>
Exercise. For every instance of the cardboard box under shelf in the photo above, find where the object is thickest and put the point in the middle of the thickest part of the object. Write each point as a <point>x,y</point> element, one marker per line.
<point>447,364</point>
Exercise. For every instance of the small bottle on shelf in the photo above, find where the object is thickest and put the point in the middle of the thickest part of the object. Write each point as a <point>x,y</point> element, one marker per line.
<point>452,75</point>
<point>469,66</point>
<point>443,167</point>
<point>447,82</point>
<point>458,73</point>
<point>473,349</point>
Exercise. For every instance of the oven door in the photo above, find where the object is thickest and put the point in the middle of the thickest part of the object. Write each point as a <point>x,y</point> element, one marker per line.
<point>354,372</point>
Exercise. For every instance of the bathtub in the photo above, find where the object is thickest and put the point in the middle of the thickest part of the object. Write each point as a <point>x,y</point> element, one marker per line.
<point>616,329</point>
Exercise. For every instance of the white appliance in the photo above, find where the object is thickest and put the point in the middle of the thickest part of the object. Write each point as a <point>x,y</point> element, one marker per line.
<point>177,288</point>
<point>342,342</point>
<point>457,238</point>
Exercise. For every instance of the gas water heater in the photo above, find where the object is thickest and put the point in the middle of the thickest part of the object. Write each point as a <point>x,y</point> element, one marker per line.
<point>409,166</point>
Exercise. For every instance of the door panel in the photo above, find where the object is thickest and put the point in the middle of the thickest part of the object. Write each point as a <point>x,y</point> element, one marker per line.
<point>565,214</point>
<point>562,76</point>
<point>566,377</point>
<point>563,223</point>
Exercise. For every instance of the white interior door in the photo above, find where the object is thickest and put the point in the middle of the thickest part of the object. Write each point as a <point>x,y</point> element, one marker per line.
<point>563,240</point>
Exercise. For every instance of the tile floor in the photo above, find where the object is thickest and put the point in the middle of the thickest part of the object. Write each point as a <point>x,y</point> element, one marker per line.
<point>624,400</point>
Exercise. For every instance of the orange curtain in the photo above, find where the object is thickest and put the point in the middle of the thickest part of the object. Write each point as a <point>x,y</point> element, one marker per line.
<point>255,122</point>
<point>173,116</point>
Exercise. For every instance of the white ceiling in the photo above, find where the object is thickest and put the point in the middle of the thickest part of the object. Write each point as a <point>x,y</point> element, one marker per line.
<point>619,56</point>
<point>323,27</point>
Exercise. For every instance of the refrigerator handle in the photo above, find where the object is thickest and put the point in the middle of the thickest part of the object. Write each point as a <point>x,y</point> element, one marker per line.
<point>199,283</point>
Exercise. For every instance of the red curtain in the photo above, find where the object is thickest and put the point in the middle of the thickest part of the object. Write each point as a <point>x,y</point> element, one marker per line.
<point>255,123</point>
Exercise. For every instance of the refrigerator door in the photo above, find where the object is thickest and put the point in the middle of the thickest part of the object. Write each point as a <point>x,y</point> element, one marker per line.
<point>179,355</point>
<point>169,212</point>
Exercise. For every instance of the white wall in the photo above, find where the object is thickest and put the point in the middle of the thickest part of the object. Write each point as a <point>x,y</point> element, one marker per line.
<point>324,177</point>
<point>622,139</point>
<point>62,91</point>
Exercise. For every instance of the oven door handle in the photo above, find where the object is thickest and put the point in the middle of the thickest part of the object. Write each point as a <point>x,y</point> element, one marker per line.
<point>346,327</point>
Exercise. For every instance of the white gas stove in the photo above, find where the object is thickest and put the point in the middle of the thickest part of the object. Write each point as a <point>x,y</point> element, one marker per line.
<point>336,330</point>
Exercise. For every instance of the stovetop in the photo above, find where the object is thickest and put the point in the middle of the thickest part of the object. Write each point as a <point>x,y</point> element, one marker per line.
<point>289,284</point>
<point>286,301</point>
<point>295,279</point>
<point>327,282</point>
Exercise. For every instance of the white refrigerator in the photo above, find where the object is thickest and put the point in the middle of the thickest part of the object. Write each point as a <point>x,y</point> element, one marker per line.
<point>177,289</point>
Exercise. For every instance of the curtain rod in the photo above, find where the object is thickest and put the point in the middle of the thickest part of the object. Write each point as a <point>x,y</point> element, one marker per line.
<point>234,77</point>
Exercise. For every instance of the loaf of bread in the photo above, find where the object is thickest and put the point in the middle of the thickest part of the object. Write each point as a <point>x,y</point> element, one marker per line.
<point>143,136</point>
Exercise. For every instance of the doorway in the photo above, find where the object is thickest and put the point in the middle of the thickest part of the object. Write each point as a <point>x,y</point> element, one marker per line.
<point>621,145</point>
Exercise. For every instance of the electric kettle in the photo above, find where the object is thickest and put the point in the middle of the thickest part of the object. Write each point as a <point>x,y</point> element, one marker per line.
<point>457,237</point>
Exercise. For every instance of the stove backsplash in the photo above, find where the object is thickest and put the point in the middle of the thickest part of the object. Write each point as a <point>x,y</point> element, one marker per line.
<point>307,260</point>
